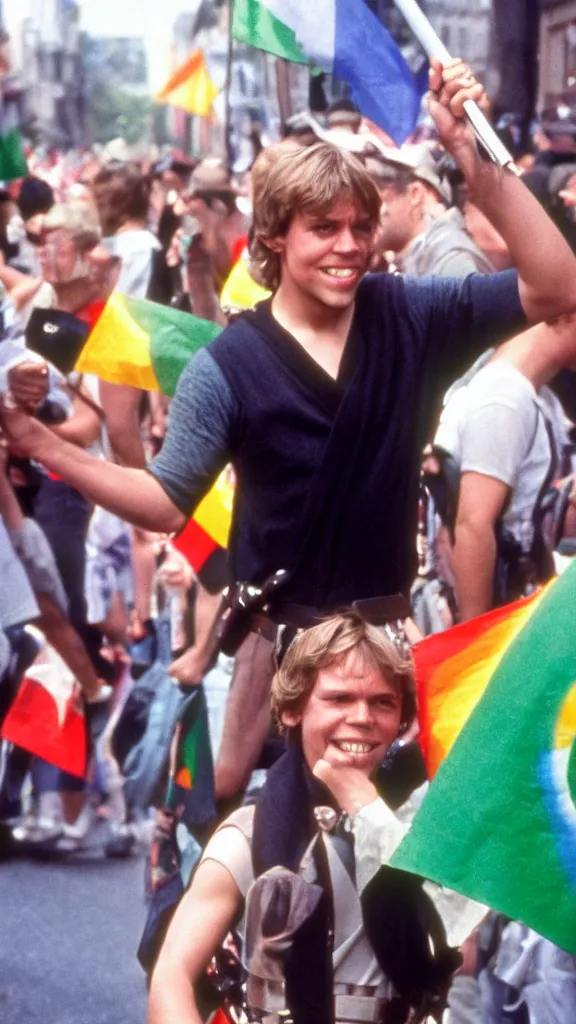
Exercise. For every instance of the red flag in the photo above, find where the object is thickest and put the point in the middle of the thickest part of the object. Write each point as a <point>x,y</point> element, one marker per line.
<point>47,719</point>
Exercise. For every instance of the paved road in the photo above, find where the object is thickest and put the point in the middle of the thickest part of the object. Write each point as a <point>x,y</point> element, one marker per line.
<point>68,934</point>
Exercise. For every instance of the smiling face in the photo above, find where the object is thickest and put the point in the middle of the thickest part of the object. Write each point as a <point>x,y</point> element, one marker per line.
<point>324,256</point>
<point>352,716</point>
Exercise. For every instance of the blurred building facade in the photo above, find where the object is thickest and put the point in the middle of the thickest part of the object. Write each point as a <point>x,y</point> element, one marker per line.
<point>557,52</point>
<point>116,73</point>
<point>47,62</point>
<point>464,27</point>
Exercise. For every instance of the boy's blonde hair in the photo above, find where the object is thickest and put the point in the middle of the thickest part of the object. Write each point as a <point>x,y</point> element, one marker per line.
<point>328,644</point>
<point>307,180</point>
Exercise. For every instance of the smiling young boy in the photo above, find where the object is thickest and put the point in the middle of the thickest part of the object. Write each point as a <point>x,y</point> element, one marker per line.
<point>343,694</point>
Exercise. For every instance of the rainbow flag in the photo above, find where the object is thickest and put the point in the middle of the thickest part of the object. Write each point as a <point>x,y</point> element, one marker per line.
<point>498,823</point>
<point>143,343</point>
<point>454,668</point>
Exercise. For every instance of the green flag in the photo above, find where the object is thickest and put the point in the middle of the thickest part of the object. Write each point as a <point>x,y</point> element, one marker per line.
<point>499,822</point>
<point>254,24</point>
<point>12,159</point>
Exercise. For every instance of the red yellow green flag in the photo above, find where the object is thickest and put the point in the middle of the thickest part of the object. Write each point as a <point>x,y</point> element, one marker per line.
<point>190,87</point>
<point>498,823</point>
<point>147,346</point>
<point>143,343</point>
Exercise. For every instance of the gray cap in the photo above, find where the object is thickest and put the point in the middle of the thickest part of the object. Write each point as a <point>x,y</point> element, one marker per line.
<point>422,165</point>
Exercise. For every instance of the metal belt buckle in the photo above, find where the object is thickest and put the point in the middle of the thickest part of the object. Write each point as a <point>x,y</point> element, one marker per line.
<point>359,1009</point>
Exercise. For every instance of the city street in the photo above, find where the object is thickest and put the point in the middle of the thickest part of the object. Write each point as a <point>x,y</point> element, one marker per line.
<point>68,936</point>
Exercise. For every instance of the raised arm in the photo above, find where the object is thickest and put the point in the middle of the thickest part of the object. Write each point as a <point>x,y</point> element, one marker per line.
<point>546,266</point>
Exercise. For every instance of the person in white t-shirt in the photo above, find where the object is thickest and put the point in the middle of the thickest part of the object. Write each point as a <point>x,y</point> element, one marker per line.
<point>122,197</point>
<point>505,432</point>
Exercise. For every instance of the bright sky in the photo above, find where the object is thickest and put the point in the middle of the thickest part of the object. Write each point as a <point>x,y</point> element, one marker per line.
<point>152,20</point>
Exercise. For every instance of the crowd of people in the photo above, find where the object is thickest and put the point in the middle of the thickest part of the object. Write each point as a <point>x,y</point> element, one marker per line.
<point>394,388</point>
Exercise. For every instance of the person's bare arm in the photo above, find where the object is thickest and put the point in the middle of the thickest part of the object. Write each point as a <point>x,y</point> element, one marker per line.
<point>201,288</point>
<point>190,667</point>
<point>201,922</point>
<point>83,427</point>
<point>480,503</point>
<point>9,507</point>
<point>247,717</point>
<point>132,494</point>
<point>546,266</point>
<point>121,404</point>
<point>65,640</point>
<point>12,278</point>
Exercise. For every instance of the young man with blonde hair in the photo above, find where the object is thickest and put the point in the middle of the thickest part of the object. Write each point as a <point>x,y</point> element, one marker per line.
<point>323,396</point>
<point>330,933</point>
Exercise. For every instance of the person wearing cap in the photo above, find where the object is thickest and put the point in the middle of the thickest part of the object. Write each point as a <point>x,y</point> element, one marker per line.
<point>322,398</point>
<point>427,235</point>
<point>299,131</point>
<point>344,114</point>
<point>211,200</point>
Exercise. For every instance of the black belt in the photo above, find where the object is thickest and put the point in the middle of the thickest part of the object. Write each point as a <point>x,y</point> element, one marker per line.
<point>378,611</point>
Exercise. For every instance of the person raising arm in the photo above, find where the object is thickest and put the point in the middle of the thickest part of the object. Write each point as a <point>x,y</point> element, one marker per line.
<point>545,264</point>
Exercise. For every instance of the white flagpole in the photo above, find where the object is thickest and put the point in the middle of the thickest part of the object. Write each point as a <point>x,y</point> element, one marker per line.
<point>434,47</point>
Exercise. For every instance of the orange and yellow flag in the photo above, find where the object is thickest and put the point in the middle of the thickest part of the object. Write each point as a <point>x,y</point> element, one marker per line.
<point>190,87</point>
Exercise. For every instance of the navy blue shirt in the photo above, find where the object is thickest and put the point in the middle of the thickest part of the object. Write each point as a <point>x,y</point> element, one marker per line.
<point>256,398</point>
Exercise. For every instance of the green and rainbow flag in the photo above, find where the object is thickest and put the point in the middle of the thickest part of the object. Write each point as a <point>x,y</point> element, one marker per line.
<point>498,705</point>
<point>147,346</point>
<point>143,343</point>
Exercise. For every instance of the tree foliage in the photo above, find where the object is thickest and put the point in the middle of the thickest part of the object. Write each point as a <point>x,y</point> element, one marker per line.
<point>113,112</point>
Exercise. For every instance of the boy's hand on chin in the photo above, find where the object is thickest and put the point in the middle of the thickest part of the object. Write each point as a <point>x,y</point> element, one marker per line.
<point>350,786</point>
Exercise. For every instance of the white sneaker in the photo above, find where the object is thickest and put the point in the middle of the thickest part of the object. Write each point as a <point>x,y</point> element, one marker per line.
<point>81,827</point>
<point>103,696</point>
<point>37,831</point>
